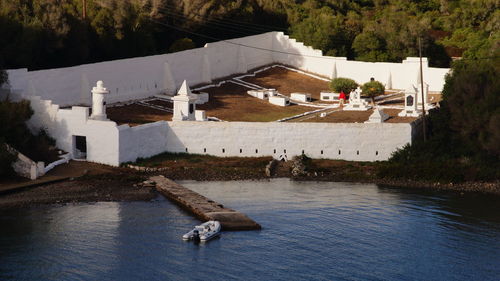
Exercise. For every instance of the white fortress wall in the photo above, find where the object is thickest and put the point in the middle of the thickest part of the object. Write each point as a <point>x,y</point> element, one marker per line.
<point>143,76</point>
<point>110,144</point>
<point>358,142</point>
<point>401,74</point>
<point>146,76</point>
<point>102,137</point>
<point>142,141</point>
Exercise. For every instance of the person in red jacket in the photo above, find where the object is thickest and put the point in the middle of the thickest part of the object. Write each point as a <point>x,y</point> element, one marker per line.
<point>342,98</point>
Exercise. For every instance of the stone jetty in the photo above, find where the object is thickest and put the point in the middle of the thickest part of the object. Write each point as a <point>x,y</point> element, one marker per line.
<point>202,207</point>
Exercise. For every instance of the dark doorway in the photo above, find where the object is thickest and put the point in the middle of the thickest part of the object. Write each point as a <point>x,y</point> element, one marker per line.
<point>80,147</point>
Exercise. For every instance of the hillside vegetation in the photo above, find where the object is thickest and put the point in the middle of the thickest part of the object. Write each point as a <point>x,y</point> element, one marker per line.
<point>52,33</point>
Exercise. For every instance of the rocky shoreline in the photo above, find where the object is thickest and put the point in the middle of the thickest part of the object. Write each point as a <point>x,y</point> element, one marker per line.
<point>125,184</point>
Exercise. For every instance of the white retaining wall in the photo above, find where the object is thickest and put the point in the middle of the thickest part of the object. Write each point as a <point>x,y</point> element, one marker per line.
<point>143,76</point>
<point>356,142</point>
<point>146,76</point>
<point>102,137</point>
<point>110,144</point>
<point>393,75</point>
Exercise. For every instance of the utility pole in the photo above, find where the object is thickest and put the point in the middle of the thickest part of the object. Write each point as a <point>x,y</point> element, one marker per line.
<point>84,9</point>
<point>422,88</point>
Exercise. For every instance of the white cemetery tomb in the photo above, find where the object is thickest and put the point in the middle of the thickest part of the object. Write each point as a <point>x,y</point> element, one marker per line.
<point>411,105</point>
<point>99,102</point>
<point>184,104</point>
<point>329,96</point>
<point>260,94</point>
<point>378,116</point>
<point>302,97</point>
<point>281,101</point>
<point>356,103</point>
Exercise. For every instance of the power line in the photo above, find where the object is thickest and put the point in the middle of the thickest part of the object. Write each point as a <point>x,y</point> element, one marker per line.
<point>242,23</point>
<point>238,44</point>
<point>218,25</point>
<point>483,58</point>
<point>221,26</point>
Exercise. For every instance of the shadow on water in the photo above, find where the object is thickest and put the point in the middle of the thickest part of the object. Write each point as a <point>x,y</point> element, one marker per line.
<point>464,208</point>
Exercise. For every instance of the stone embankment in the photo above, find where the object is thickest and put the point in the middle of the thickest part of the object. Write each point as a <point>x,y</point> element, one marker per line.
<point>202,207</point>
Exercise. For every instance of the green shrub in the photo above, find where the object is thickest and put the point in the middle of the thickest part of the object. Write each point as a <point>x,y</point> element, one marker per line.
<point>181,45</point>
<point>372,89</point>
<point>343,84</point>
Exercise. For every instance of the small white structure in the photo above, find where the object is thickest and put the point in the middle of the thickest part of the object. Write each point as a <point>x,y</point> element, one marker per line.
<point>260,94</point>
<point>329,96</point>
<point>411,105</point>
<point>356,103</point>
<point>184,104</point>
<point>378,116</point>
<point>263,94</point>
<point>200,115</point>
<point>99,102</point>
<point>281,101</point>
<point>302,97</point>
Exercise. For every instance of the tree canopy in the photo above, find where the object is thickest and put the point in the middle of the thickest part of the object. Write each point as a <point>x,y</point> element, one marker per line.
<point>52,33</point>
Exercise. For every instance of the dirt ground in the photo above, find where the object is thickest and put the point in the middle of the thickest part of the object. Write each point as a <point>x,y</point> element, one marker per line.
<point>287,82</point>
<point>136,114</point>
<point>340,116</point>
<point>84,182</point>
<point>161,103</point>
<point>230,102</point>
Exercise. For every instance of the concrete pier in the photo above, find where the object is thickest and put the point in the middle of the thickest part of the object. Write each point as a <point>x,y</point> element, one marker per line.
<point>202,207</point>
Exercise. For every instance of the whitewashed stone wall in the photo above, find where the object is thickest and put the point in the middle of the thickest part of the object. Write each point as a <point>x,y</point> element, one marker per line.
<point>356,142</point>
<point>143,141</point>
<point>146,76</point>
<point>143,76</point>
<point>110,144</point>
<point>394,75</point>
<point>102,137</point>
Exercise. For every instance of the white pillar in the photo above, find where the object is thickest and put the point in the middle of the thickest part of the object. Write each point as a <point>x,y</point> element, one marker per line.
<point>99,102</point>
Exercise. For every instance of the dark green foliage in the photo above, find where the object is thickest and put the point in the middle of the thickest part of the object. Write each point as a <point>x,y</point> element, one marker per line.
<point>372,89</point>
<point>181,45</point>
<point>13,117</point>
<point>6,160</point>
<point>369,46</point>
<point>343,84</point>
<point>464,132</point>
<point>13,131</point>
<point>51,33</point>
<point>3,77</point>
<point>472,94</point>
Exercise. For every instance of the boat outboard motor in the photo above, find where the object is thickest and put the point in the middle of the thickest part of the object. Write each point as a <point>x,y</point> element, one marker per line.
<point>196,236</point>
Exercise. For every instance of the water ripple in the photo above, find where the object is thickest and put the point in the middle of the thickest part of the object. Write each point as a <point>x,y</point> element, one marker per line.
<point>312,231</point>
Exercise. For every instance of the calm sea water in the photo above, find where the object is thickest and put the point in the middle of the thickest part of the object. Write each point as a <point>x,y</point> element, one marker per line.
<point>311,231</point>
